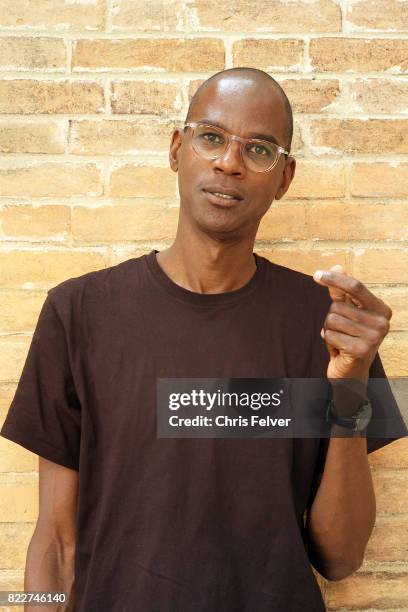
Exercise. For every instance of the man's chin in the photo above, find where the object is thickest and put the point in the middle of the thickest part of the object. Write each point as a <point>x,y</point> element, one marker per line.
<point>218,224</point>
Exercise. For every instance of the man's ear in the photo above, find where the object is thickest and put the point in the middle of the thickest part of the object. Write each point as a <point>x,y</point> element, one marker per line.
<point>287,177</point>
<point>175,144</point>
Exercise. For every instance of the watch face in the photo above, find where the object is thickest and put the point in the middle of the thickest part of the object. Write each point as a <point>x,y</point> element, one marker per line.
<point>363,416</point>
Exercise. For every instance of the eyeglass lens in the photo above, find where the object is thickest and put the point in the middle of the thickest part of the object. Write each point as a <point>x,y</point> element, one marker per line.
<point>211,143</point>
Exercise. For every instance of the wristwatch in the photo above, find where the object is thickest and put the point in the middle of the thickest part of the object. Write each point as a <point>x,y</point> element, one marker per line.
<point>357,422</point>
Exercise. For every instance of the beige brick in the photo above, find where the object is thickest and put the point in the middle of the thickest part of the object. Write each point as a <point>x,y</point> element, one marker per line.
<point>283,54</point>
<point>305,95</point>
<point>397,298</point>
<point>18,498</point>
<point>381,265</point>
<point>306,261</point>
<point>12,581</point>
<point>43,270</point>
<point>27,96</point>
<point>394,455</point>
<point>394,355</point>
<point>359,55</point>
<point>193,85</point>
<point>16,458</point>
<point>379,179</point>
<point>53,15</point>
<point>112,137</point>
<point>34,221</point>
<point>380,95</point>
<point>379,590</point>
<point>50,179</point>
<point>389,539</point>
<point>129,181</point>
<point>22,53</point>
<point>173,55</point>
<point>19,311</point>
<point>317,180</point>
<point>162,15</point>
<point>356,221</point>
<point>118,257</point>
<point>297,147</point>
<point>32,136</point>
<point>377,136</point>
<point>273,16</point>
<point>7,391</point>
<point>14,540</point>
<point>309,95</point>
<point>146,97</point>
<point>284,221</point>
<point>13,353</point>
<point>391,490</point>
<point>125,222</point>
<point>387,15</point>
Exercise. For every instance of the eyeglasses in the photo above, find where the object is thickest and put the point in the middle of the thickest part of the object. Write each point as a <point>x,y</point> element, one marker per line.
<point>212,142</point>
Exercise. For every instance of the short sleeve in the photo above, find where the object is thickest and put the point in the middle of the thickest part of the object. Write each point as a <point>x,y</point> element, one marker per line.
<point>45,414</point>
<point>387,423</point>
<point>387,417</point>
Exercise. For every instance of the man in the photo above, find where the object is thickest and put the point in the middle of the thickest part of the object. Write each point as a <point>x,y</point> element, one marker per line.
<point>131,521</point>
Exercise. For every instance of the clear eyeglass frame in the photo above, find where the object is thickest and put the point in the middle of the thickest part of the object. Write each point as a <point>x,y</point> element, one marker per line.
<point>229,137</point>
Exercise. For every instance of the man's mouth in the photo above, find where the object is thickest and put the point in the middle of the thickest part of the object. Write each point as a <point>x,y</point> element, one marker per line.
<point>224,197</point>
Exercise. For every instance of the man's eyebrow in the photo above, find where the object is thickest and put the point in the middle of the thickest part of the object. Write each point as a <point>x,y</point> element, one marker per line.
<point>267,137</point>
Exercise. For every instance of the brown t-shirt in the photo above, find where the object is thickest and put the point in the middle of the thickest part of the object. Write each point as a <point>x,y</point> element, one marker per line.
<point>177,525</point>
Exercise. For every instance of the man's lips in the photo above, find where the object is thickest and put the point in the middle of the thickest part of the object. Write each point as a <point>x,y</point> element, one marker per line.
<point>220,200</point>
<point>222,196</point>
<point>223,191</point>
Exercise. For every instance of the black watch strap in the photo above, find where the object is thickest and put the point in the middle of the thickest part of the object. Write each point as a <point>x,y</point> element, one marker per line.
<point>357,422</point>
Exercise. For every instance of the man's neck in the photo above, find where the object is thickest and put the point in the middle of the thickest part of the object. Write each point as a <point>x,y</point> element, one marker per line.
<point>208,268</point>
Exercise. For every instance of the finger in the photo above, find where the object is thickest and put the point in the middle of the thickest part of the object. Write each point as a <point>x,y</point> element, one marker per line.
<point>333,351</point>
<point>336,294</point>
<point>360,315</point>
<point>350,345</point>
<point>337,322</point>
<point>361,296</point>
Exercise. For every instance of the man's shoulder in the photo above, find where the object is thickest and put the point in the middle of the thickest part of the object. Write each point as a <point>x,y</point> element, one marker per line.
<point>296,282</point>
<point>94,285</point>
<point>290,274</point>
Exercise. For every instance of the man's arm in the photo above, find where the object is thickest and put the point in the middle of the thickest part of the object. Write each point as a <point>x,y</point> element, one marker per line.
<point>343,512</point>
<point>342,516</point>
<point>50,559</point>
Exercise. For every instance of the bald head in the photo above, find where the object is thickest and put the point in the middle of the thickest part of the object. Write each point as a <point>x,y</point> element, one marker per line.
<point>257,77</point>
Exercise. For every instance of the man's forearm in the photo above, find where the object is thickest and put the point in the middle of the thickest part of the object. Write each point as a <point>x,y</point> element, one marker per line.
<point>343,513</point>
<point>50,566</point>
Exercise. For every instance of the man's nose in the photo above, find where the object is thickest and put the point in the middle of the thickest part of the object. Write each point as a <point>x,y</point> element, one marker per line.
<point>231,161</point>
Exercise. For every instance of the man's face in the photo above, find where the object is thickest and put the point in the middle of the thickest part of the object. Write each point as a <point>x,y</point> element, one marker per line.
<point>244,108</point>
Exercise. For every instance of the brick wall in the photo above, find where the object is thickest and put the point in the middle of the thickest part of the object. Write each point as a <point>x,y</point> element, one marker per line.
<point>84,86</point>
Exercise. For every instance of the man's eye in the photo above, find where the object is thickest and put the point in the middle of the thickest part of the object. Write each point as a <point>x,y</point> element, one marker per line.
<point>258,149</point>
<point>212,137</point>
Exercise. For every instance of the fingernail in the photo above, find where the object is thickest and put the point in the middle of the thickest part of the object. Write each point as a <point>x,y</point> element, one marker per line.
<point>318,274</point>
